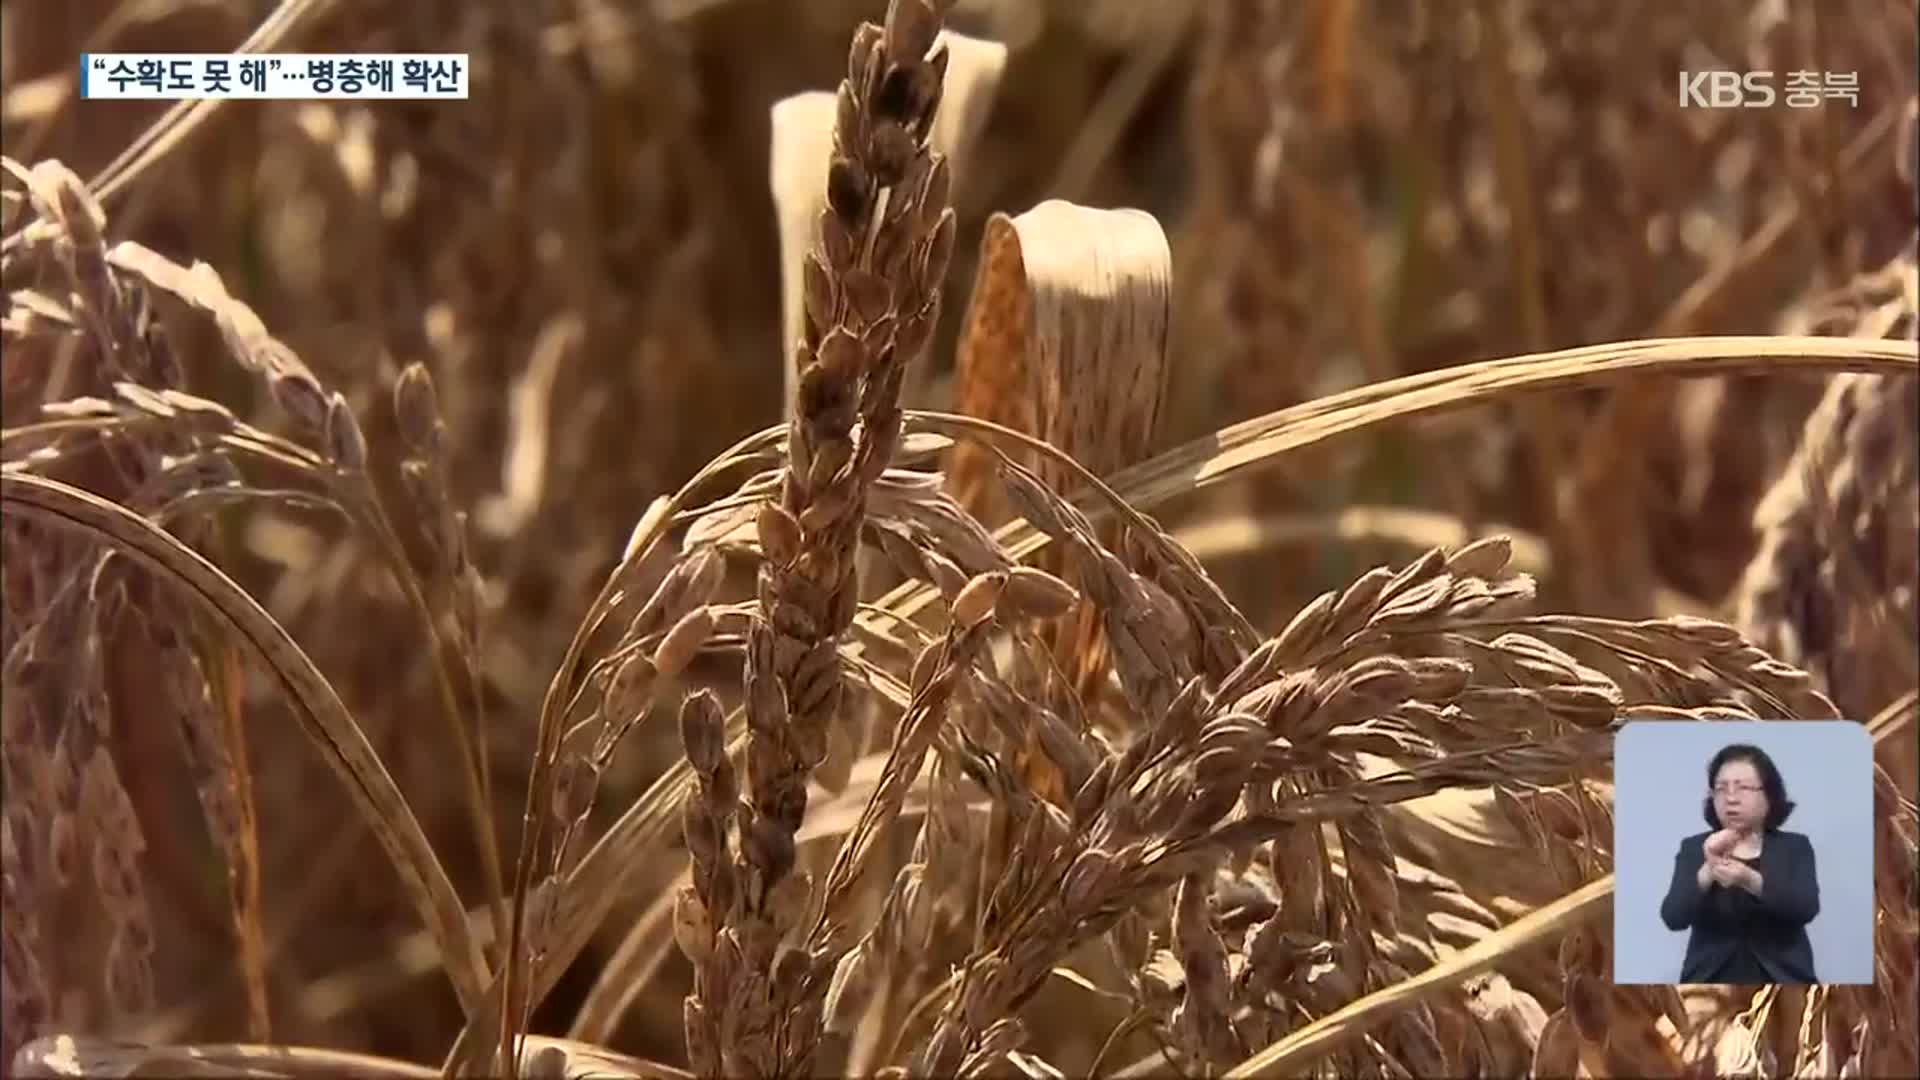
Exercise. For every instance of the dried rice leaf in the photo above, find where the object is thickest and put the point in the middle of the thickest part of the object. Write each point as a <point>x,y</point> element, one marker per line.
<point>227,684</point>
<point>1261,441</point>
<point>974,69</point>
<point>343,744</point>
<point>1065,339</point>
<point>802,139</point>
<point>1234,532</point>
<point>81,1057</point>
<point>529,404</point>
<point>1208,461</point>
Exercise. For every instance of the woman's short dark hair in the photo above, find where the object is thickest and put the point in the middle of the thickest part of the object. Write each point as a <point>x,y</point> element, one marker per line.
<point>1778,805</point>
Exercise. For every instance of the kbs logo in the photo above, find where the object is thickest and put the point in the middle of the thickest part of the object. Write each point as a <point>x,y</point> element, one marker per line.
<point>1754,89</point>
<point>1726,89</point>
